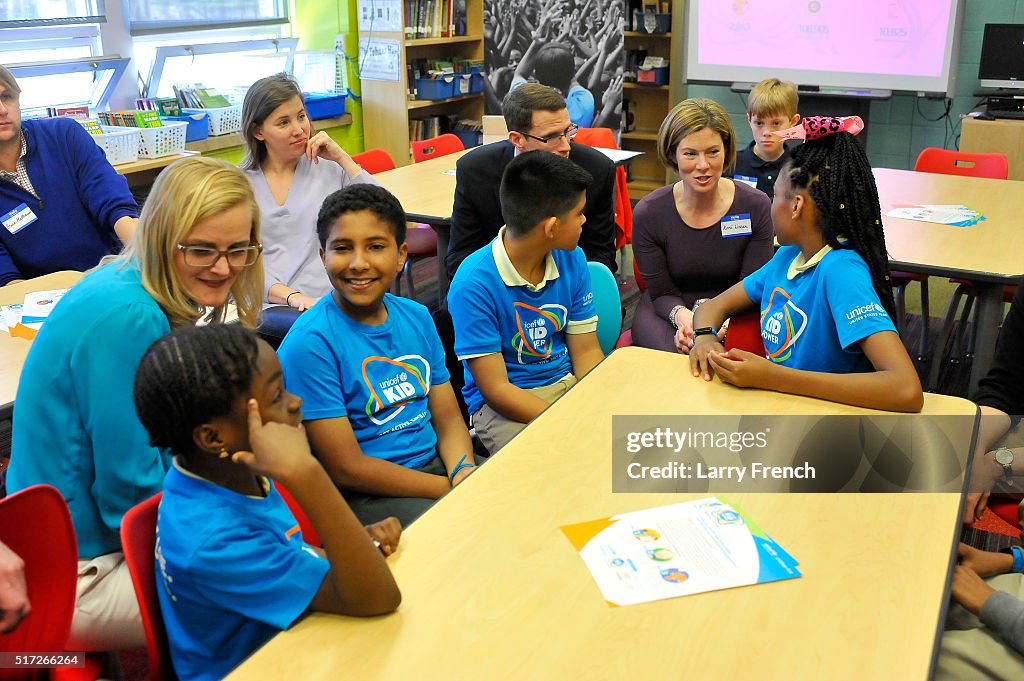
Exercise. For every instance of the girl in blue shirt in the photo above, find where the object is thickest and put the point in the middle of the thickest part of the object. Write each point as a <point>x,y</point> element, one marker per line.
<point>232,568</point>
<point>825,300</point>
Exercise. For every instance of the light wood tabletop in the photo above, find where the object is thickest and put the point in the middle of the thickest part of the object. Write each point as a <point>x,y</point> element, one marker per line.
<point>426,191</point>
<point>493,590</point>
<point>990,253</point>
<point>14,350</point>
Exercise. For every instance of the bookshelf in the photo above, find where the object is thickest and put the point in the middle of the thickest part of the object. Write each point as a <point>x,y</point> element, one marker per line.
<point>649,104</point>
<point>387,108</point>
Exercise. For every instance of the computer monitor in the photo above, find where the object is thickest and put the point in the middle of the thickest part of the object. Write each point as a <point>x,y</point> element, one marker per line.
<point>1002,56</point>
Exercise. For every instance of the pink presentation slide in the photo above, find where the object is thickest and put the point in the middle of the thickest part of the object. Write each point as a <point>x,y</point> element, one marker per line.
<point>896,37</point>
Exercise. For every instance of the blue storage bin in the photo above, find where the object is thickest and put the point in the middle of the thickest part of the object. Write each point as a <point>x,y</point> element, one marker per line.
<point>468,83</point>
<point>435,88</point>
<point>198,125</point>
<point>656,76</point>
<point>320,105</point>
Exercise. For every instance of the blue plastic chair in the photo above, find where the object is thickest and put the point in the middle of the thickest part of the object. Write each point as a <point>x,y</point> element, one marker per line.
<point>607,304</point>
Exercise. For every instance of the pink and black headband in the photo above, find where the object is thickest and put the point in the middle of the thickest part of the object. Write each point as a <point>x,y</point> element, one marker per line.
<point>816,127</point>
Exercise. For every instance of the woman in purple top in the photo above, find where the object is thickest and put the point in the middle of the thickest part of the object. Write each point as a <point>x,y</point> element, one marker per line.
<point>699,236</point>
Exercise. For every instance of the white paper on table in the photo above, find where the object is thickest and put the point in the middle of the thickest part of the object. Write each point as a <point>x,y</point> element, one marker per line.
<point>10,316</point>
<point>944,215</point>
<point>678,550</point>
<point>38,306</point>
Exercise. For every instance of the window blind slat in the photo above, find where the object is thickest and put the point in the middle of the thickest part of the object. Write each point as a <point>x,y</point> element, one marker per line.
<point>22,13</point>
<point>148,16</point>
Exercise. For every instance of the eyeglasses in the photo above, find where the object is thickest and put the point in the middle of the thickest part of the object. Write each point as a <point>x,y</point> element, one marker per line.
<point>204,256</point>
<point>568,134</point>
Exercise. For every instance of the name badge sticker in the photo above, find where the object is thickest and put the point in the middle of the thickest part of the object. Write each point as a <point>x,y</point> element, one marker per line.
<point>736,225</point>
<point>18,219</point>
<point>747,180</point>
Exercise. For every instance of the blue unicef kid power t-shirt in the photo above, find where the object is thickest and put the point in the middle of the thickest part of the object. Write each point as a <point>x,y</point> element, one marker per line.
<point>231,571</point>
<point>495,310</point>
<point>814,320</point>
<point>377,376</point>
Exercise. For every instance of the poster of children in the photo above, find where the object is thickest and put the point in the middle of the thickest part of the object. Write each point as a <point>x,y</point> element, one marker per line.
<point>575,46</point>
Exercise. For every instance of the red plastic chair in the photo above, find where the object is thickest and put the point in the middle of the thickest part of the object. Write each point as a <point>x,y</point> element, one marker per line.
<point>442,145</point>
<point>604,138</point>
<point>35,524</point>
<point>138,538</point>
<point>745,333</point>
<point>374,161</point>
<point>309,533</point>
<point>950,162</point>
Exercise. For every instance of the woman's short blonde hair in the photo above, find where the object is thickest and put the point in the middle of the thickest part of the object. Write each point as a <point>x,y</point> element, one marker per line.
<point>690,116</point>
<point>185,193</point>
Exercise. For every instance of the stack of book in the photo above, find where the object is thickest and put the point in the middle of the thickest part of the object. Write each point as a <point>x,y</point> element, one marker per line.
<point>434,18</point>
<point>131,119</point>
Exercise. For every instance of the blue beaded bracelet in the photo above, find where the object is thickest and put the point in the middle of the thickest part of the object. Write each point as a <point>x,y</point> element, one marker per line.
<point>459,466</point>
<point>1018,559</point>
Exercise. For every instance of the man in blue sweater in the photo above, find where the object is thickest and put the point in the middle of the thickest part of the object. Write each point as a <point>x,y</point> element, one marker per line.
<point>62,205</point>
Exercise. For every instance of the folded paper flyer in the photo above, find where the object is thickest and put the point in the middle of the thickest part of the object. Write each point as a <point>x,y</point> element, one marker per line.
<point>678,550</point>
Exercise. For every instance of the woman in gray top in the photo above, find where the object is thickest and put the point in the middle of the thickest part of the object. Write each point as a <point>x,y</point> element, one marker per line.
<point>291,173</point>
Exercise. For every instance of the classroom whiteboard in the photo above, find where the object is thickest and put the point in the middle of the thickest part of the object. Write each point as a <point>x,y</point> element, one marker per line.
<point>901,45</point>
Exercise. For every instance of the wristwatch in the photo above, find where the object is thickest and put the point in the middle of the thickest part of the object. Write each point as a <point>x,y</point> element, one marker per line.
<point>704,331</point>
<point>1004,457</point>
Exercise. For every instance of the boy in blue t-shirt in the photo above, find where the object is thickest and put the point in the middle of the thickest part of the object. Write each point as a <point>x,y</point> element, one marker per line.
<point>369,366</point>
<point>522,306</point>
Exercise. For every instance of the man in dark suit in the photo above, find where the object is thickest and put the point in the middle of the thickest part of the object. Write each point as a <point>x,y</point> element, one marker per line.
<point>537,118</point>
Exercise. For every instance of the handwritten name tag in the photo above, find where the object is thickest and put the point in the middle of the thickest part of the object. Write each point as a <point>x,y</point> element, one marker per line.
<point>18,219</point>
<point>736,225</point>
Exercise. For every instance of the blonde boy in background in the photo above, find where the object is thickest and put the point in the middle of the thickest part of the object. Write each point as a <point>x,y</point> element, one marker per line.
<point>771,106</point>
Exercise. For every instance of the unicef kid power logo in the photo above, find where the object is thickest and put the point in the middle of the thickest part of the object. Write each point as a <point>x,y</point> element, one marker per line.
<point>393,383</point>
<point>782,322</point>
<point>535,327</point>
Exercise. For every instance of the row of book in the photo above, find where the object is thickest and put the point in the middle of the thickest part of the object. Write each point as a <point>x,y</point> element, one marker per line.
<point>131,119</point>
<point>434,18</point>
<point>431,126</point>
<point>199,97</point>
<point>165,106</point>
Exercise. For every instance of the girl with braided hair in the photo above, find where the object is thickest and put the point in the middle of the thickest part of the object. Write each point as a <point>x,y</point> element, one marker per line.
<point>233,568</point>
<point>825,302</point>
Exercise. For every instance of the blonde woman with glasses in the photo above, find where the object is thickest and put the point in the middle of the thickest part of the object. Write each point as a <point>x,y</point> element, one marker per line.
<point>197,248</point>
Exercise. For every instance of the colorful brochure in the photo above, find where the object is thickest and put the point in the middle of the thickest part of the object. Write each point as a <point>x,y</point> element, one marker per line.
<point>678,550</point>
<point>38,306</point>
<point>953,215</point>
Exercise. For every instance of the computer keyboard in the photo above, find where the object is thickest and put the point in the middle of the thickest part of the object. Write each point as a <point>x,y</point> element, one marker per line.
<point>1008,114</point>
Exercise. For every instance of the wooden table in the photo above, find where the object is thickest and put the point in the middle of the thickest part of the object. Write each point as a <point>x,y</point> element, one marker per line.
<point>14,350</point>
<point>144,171</point>
<point>426,191</point>
<point>990,253</point>
<point>493,590</point>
